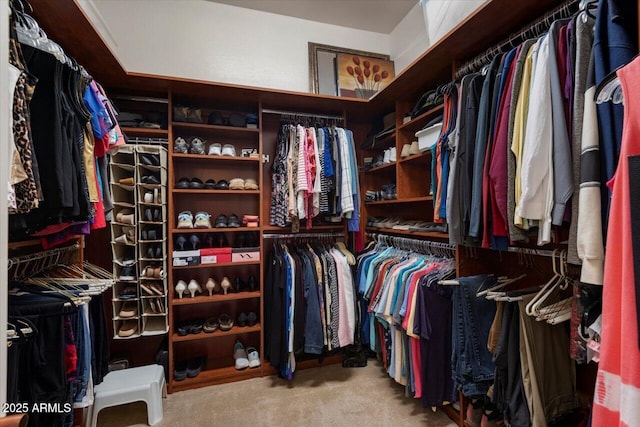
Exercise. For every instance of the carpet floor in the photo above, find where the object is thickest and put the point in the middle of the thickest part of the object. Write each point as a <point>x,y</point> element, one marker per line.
<point>325,396</point>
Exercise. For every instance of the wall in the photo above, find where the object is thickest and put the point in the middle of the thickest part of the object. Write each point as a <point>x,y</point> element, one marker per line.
<point>216,42</point>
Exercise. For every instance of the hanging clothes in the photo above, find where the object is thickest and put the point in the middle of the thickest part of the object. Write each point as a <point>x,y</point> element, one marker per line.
<point>309,303</point>
<point>314,175</point>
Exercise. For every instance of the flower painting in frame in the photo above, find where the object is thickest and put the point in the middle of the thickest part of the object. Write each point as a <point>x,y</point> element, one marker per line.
<point>361,76</point>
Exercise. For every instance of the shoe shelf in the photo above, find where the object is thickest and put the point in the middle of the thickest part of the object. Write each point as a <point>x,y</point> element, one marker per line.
<point>178,156</point>
<point>205,299</point>
<point>415,157</point>
<point>212,230</point>
<point>386,166</point>
<point>219,130</point>
<point>145,132</point>
<point>216,376</point>
<point>216,265</point>
<point>418,122</point>
<point>236,330</point>
<point>221,192</point>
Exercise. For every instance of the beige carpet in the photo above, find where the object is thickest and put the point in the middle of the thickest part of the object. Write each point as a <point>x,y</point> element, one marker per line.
<point>326,396</point>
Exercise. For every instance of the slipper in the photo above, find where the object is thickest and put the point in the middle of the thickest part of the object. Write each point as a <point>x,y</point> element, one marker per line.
<point>236,184</point>
<point>240,355</point>
<point>253,357</point>
<point>222,185</point>
<point>250,184</point>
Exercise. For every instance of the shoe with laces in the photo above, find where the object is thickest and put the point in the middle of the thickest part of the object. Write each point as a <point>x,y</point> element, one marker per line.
<point>202,220</point>
<point>196,146</point>
<point>240,355</point>
<point>215,149</point>
<point>180,145</point>
<point>228,150</point>
<point>185,219</point>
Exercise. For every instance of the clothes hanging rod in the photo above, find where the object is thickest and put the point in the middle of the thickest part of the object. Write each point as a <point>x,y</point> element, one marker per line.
<point>294,113</point>
<point>534,29</point>
<point>301,235</point>
<point>411,241</point>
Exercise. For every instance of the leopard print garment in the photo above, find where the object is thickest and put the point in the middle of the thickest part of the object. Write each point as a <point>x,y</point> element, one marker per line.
<point>26,192</point>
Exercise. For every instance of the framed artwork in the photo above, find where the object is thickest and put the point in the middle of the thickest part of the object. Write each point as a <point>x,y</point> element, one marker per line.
<point>330,68</point>
<point>362,76</point>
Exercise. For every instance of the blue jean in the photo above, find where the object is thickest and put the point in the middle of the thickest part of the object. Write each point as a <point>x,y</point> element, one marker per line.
<point>473,367</point>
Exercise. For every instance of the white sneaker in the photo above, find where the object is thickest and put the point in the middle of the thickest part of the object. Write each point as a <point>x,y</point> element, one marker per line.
<point>254,357</point>
<point>405,150</point>
<point>215,149</point>
<point>393,155</point>
<point>228,150</point>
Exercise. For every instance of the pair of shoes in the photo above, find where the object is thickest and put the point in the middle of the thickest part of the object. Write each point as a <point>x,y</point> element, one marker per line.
<point>186,220</point>
<point>245,358</point>
<point>250,220</point>
<point>410,149</point>
<point>151,233</point>
<point>128,328</point>
<point>153,196</point>
<point>194,184</point>
<point>154,252</point>
<point>216,240</point>
<point>232,221</point>
<point>187,114</point>
<point>389,155</point>
<point>128,292</point>
<point>126,216</point>
<point>180,145</point>
<point>128,273</point>
<point>193,287</point>
<point>150,179</point>
<point>188,369</point>
<point>155,306</point>
<point>217,149</point>
<point>152,289</point>
<point>191,326</point>
<point>243,184</point>
<point>181,242</point>
<point>247,319</point>
<point>246,239</point>
<point>128,310</point>
<point>389,192</point>
<point>150,159</point>
<point>153,215</point>
<point>152,272</point>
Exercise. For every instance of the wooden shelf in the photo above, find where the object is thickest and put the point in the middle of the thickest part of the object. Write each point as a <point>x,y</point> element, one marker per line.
<point>236,330</point>
<point>217,265</point>
<point>414,157</point>
<point>417,123</point>
<point>142,132</point>
<point>432,234</point>
<point>386,142</point>
<point>212,230</point>
<point>206,191</point>
<point>206,299</point>
<point>214,158</point>
<point>386,166</point>
<point>396,201</point>
<point>216,376</point>
<point>217,128</point>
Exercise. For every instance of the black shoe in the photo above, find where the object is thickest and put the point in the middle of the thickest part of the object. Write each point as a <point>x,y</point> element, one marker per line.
<point>252,318</point>
<point>194,366</point>
<point>157,216</point>
<point>209,241</point>
<point>150,159</point>
<point>150,252</point>
<point>181,241</point>
<point>158,251</point>
<point>239,284</point>
<point>150,179</point>
<point>180,372</point>
<point>128,272</point>
<point>241,320</point>
<point>195,241</point>
<point>253,283</point>
<point>148,214</point>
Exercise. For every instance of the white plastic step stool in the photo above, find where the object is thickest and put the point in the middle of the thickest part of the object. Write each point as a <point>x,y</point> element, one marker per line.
<point>145,383</point>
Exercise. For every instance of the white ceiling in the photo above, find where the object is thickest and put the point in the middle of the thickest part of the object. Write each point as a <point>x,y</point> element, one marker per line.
<point>380,16</point>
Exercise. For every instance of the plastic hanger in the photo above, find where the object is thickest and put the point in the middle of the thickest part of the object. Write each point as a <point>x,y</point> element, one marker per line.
<point>548,285</point>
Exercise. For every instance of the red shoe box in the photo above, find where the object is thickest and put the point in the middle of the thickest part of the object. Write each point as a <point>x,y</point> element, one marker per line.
<point>215,255</point>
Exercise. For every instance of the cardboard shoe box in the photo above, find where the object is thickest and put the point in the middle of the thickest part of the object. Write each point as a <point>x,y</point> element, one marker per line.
<point>245,254</point>
<point>215,255</point>
<point>185,258</point>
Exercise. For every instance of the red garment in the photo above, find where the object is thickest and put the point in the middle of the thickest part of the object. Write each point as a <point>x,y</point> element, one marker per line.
<point>99,219</point>
<point>498,171</point>
<point>617,391</point>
